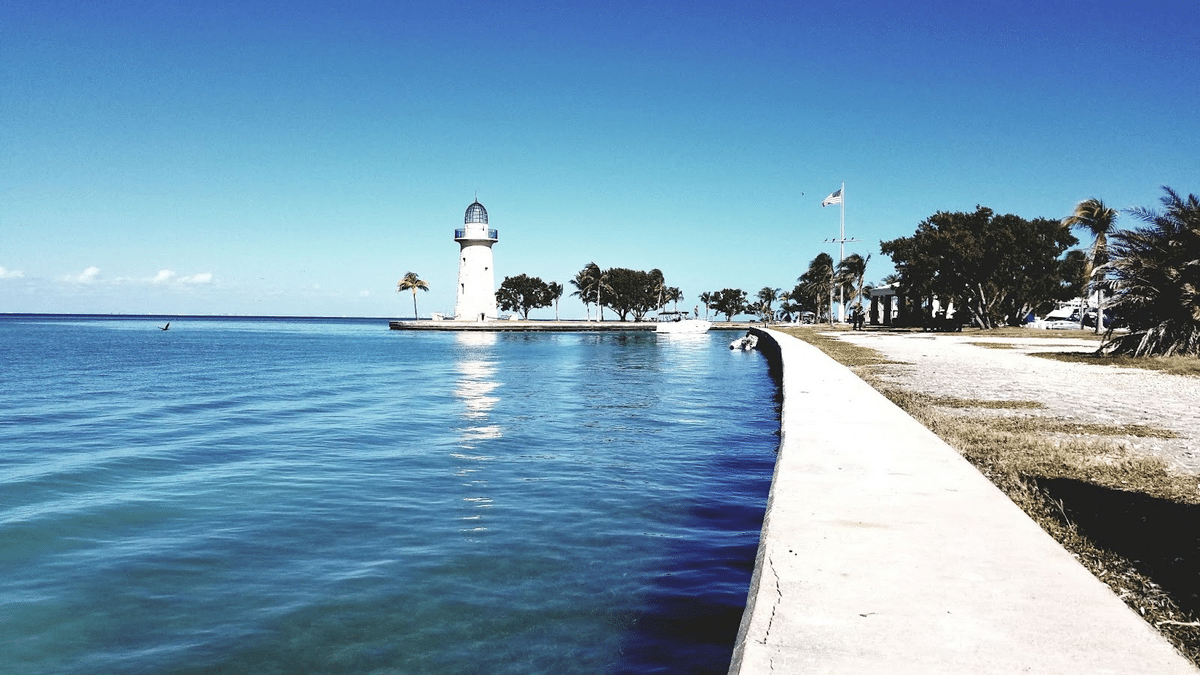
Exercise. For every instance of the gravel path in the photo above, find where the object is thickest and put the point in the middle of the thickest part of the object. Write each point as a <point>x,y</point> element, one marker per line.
<point>950,365</point>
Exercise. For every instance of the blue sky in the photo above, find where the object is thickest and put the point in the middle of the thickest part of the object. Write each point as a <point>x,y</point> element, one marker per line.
<point>296,158</point>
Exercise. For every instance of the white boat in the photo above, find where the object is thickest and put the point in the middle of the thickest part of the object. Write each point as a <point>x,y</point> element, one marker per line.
<point>1064,317</point>
<point>750,341</point>
<point>677,322</point>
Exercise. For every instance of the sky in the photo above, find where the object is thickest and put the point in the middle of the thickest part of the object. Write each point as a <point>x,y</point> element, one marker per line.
<point>298,158</point>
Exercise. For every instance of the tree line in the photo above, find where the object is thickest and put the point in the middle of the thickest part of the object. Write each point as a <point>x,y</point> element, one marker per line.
<point>1000,269</point>
<point>632,294</point>
<point>994,269</point>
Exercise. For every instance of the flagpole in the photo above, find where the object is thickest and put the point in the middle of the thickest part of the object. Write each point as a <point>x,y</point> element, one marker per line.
<point>842,256</point>
<point>840,196</point>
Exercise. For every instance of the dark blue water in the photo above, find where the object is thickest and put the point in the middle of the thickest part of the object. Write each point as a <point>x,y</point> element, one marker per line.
<point>286,496</point>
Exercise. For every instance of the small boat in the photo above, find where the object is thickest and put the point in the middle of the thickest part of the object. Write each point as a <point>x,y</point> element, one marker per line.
<point>750,341</point>
<point>677,322</point>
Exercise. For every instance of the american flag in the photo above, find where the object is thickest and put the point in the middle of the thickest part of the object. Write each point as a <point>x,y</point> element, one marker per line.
<point>835,198</point>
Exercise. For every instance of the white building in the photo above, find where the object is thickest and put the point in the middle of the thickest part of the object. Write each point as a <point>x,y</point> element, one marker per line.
<point>476,279</point>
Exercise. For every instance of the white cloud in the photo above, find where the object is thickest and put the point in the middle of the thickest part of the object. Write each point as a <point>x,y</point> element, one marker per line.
<point>10,274</point>
<point>364,294</point>
<point>86,277</point>
<point>163,276</point>
<point>201,278</point>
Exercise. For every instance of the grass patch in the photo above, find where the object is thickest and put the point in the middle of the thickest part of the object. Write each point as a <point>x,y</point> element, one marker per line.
<point>967,331</point>
<point>1033,333</point>
<point>990,404</point>
<point>992,345</point>
<point>1052,425</point>
<point>1125,516</point>
<point>1188,366</point>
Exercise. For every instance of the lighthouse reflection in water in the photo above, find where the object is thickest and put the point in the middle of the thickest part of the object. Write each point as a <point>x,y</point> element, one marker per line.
<point>476,371</point>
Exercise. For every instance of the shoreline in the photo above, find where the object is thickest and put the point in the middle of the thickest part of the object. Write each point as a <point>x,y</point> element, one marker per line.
<point>548,326</point>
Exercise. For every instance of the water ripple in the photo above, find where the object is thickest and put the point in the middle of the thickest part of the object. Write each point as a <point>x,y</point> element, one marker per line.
<point>275,496</point>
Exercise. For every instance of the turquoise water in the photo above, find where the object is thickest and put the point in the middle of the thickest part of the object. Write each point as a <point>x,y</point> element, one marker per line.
<point>283,496</point>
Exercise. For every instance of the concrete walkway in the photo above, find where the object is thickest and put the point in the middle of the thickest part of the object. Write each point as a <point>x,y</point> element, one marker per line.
<point>889,553</point>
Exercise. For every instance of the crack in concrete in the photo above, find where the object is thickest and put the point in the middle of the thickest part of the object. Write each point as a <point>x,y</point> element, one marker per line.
<point>775,606</point>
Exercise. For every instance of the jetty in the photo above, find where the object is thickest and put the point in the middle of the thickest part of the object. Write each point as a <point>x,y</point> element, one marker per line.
<point>884,550</point>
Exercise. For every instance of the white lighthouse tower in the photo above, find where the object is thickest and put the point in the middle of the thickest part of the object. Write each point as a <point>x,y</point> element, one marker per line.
<point>476,280</point>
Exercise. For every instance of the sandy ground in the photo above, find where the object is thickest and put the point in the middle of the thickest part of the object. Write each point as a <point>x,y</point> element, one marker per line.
<point>949,364</point>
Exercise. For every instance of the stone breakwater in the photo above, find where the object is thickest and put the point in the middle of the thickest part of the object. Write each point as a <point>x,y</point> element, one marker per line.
<point>957,366</point>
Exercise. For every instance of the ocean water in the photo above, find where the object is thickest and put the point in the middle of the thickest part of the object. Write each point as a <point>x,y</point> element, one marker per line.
<point>328,496</point>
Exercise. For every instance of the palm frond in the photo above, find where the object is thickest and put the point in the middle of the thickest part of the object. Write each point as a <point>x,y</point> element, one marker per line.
<point>1155,270</point>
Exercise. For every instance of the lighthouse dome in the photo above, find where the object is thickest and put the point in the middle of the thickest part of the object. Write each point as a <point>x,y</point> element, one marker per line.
<point>475,214</point>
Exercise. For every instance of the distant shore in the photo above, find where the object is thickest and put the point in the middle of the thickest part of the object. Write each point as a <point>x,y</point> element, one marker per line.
<point>550,326</point>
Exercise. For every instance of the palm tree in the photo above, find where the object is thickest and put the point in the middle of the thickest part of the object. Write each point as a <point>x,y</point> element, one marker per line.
<point>586,284</point>
<point>1156,276</point>
<point>1100,221</point>
<point>581,284</point>
<point>785,306</point>
<point>851,272</point>
<point>673,295</point>
<point>766,296</point>
<point>706,298</point>
<point>413,282</point>
<point>556,291</point>
<point>817,283</point>
<point>601,285</point>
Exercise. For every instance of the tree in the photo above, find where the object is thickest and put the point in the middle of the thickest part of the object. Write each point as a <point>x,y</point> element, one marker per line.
<point>1155,272</point>
<point>789,306</point>
<point>851,272</point>
<point>412,282</point>
<point>556,291</point>
<point>729,301</point>
<point>1099,221</point>
<point>587,286</point>
<point>997,268</point>
<point>799,301</point>
<point>673,295</point>
<point>633,292</point>
<point>815,286</point>
<point>523,293</point>
<point>1074,274</point>
<point>766,296</point>
<point>706,299</point>
<point>602,289</point>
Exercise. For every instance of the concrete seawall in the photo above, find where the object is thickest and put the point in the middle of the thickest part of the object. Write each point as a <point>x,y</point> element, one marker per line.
<point>883,550</point>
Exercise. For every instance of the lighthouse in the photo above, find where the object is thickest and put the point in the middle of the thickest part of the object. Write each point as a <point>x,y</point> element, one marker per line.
<point>476,280</point>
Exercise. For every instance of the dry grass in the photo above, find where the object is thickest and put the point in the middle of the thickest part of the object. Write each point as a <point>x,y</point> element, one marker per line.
<point>1024,454</point>
<point>1188,366</point>
<point>955,402</point>
<point>1053,425</point>
<point>1032,333</point>
<point>1002,332</point>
